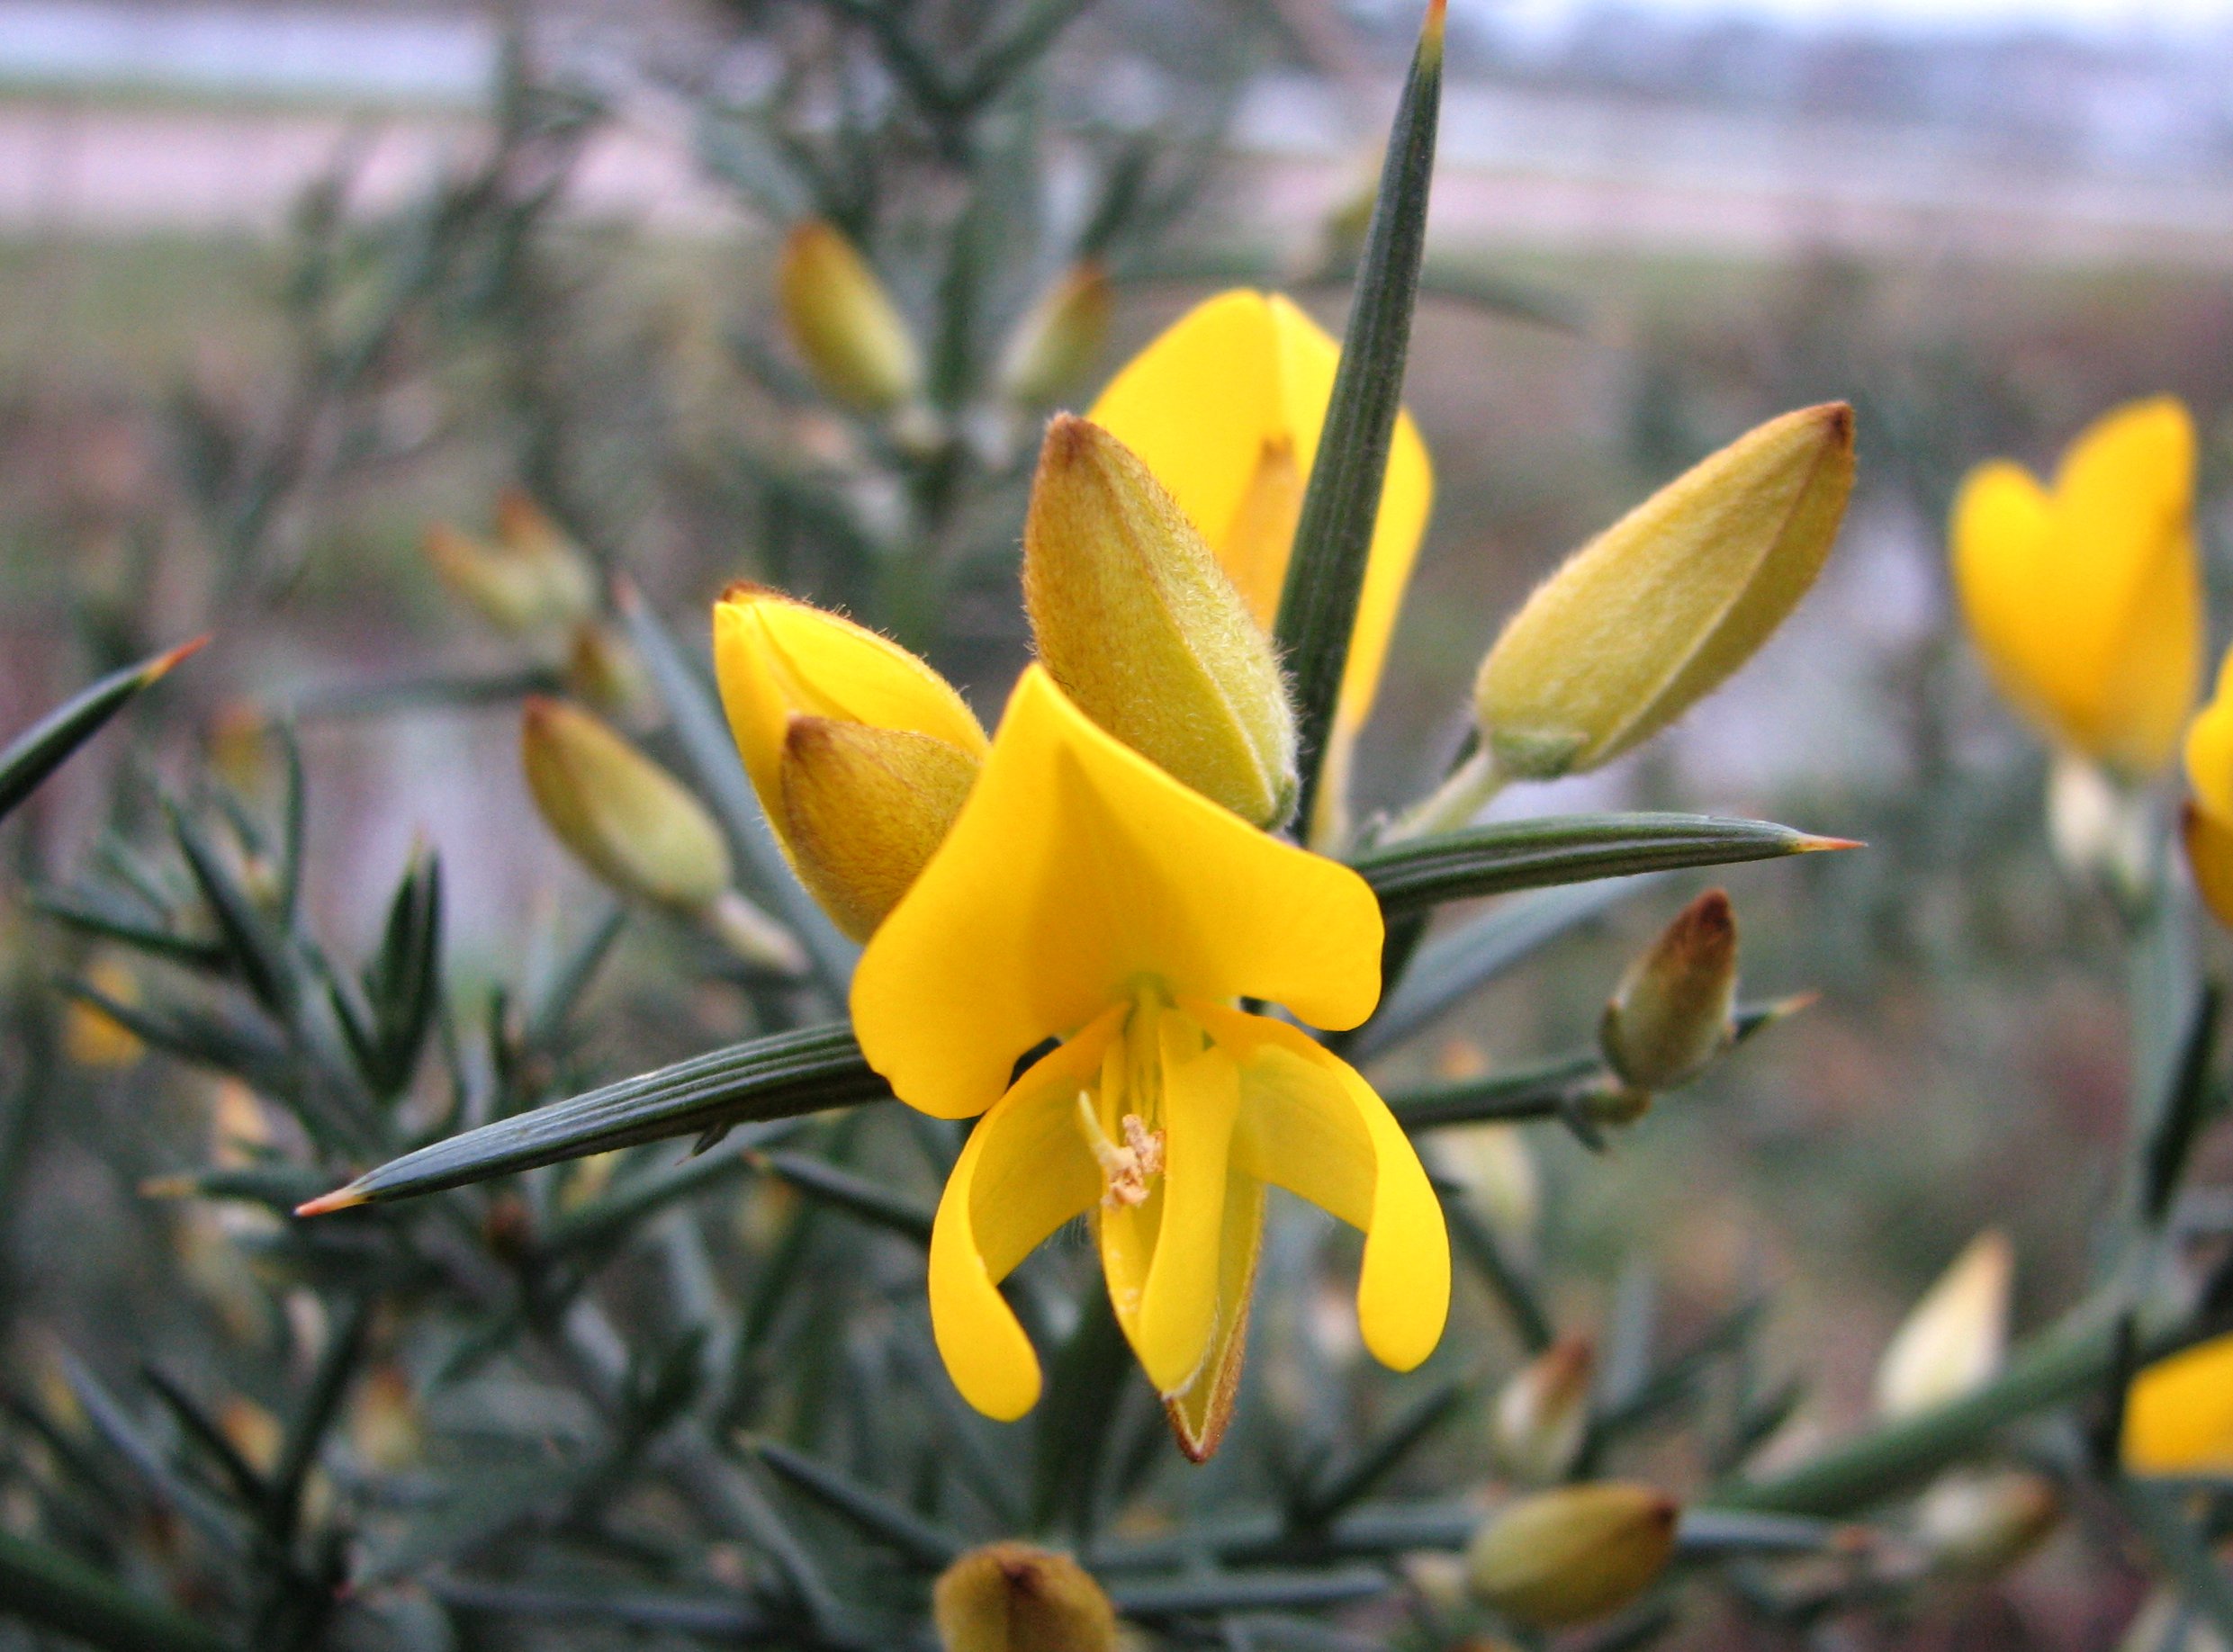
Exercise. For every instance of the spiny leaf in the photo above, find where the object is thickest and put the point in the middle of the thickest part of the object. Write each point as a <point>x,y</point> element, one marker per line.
<point>55,1591</point>
<point>42,748</point>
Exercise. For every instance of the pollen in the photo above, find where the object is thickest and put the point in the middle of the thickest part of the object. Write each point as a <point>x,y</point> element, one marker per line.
<point>1126,1169</point>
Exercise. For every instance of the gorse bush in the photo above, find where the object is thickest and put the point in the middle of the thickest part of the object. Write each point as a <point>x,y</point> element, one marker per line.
<point>960,1301</point>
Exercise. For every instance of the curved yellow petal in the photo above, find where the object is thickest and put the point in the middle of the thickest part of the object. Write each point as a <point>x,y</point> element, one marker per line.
<point>1310,1124</point>
<point>1226,407</point>
<point>777,658</point>
<point>1076,871</point>
<point>2208,841</point>
<point>2179,1417</point>
<point>2210,750</point>
<point>2000,528</point>
<point>1178,1305</point>
<point>1025,1170</point>
<point>1199,1411</point>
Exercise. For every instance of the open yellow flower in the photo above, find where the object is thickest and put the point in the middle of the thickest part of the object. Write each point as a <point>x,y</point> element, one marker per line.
<point>2179,1416</point>
<point>1084,895</point>
<point>2085,598</point>
<point>1226,407</point>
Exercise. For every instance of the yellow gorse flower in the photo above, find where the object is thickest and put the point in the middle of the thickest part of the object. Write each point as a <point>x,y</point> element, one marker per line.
<point>1226,407</point>
<point>2085,598</point>
<point>2208,825</point>
<point>2178,1418</point>
<point>1084,895</point>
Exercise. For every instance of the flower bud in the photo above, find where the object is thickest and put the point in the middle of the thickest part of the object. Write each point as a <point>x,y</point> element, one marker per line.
<point>860,753</point>
<point>844,323</point>
<point>1011,1597</point>
<point>603,669</point>
<point>1570,1555</point>
<point>1542,1413</point>
<point>2178,1417</point>
<point>638,830</point>
<point>91,1036</point>
<point>1953,1339</point>
<point>531,578</point>
<point>1056,343</point>
<point>1652,614</point>
<point>1135,619</point>
<point>1671,1015</point>
<point>2206,824</point>
<point>1985,1522</point>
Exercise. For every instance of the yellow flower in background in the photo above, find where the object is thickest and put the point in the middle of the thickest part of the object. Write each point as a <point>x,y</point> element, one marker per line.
<point>1226,407</point>
<point>91,1036</point>
<point>2178,1417</point>
<point>862,754</point>
<point>2085,598</point>
<point>2207,824</point>
<point>1084,895</point>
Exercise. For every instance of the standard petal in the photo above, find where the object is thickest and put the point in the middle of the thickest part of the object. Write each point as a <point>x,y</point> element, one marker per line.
<point>1178,1307</point>
<point>1025,1170</point>
<point>2179,1418</point>
<point>2001,524</point>
<point>1310,1124</point>
<point>1076,871</point>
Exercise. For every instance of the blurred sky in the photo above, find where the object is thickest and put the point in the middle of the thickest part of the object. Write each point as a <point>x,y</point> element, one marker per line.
<point>2092,18</point>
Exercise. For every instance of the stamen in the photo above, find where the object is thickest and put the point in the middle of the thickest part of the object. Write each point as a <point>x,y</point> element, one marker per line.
<point>1124,1170</point>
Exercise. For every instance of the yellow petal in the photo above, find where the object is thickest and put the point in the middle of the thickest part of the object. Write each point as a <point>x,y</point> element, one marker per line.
<point>1226,407</point>
<point>2000,529</point>
<point>2179,1417</point>
<point>1024,1172</point>
<point>2210,750</point>
<point>1310,1124</point>
<point>1077,870</point>
<point>777,658</point>
<point>2208,841</point>
<point>1178,1307</point>
<point>1199,1413</point>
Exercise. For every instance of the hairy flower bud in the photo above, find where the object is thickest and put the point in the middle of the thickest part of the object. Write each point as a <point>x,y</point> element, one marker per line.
<point>1542,1413</point>
<point>530,578</point>
<point>1570,1555</point>
<point>1954,1338</point>
<point>1670,1014</point>
<point>1138,622</point>
<point>1652,614</point>
<point>1012,1597</point>
<point>860,753</point>
<point>1983,1522</point>
<point>1059,338</point>
<point>843,324</point>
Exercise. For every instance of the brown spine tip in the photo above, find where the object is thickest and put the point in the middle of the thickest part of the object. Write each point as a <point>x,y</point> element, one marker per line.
<point>1813,845</point>
<point>160,666</point>
<point>340,1199</point>
<point>1430,32</point>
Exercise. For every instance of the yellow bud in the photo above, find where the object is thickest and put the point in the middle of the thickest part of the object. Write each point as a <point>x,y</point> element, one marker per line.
<point>1985,1522</point>
<point>1570,1555</point>
<point>1011,1597</point>
<point>1138,622</point>
<point>1542,1413</point>
<point>1952,1339</point>
<point>1059,339</point>
<point>1670,1014</point>
<point>860,753</point>
<point>532,578</point>
<point>624,817</point>
<point>845,324</point>
<point>2179,1416</point>
<point>1658,609</point>
<point>91,1036</point>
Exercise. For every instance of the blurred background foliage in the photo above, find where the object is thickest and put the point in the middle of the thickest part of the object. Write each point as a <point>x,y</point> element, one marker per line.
<point>250,434</point>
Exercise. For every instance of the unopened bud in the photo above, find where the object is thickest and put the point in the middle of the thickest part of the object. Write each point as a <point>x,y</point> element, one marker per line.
<point>604,672</point>
<point>531,578</point>
<point>844,323</point>
<point>1135,619</point>
<point>91,1036</point>
<point>1011,1597</point>
<point>860,753</point>
<point>1573,1554</point>
<point>2178,1417</point>
<point>1985,1522</point>
<point>1952,1339</point>
<point>1059,338</point>
<point>637,829</point>
<point>1657,610</point>
<point>1670,1014</point>
<point>1542,1413</point>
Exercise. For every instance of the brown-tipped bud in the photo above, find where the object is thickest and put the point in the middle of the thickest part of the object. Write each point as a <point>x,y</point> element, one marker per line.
<point>531,578</point>
<point>1985,1522</point>
<point>843,324</point>
<point>1138,622</point>
<point>1059,338</point>
<point>624,817</point>
<point>1570,1555</point>
<point>864,809</point>
<point>1011,1597</point>
<point>1671,1015</point>
<point>1955,1338</point>
<point>604,672</point>
<point>1542,1413</point>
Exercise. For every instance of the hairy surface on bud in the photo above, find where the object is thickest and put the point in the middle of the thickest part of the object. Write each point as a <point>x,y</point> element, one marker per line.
<point>623,816</point>
<point>1573,1554</point>
<point>864,810</point>
<point>1670,1014</point>
<point>1542,1413</point>
<point>1652,614</point>
<point>842,322</point>
<point>531,578</point>
<point>1953,1339</point>
<point>1985,1522</point>
<point>1138,622</point>
<point>1059,338</point>
<point>1012,1597</point>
